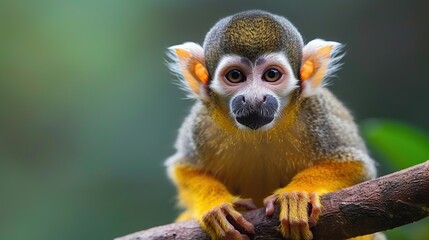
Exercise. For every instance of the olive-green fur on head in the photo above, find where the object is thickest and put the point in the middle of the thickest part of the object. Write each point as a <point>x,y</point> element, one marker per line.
<point>252,34</point>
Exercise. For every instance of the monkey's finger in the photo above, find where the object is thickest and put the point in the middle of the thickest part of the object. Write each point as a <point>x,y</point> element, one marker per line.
<point>212,226</point>
<point>229,231</point>
<point>284,214</point>
<point>294,221</point>
<point>316,208</point>
<point>269,204</point>
<point>303,225</point>
<point>233,235</point>
<point>239,219</point>
<point>247,203</point>
<point>269,210</point>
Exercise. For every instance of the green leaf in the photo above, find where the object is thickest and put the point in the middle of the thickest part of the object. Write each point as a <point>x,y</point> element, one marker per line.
<point>403,144</point>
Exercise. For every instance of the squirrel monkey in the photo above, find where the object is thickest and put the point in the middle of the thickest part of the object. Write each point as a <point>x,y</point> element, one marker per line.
<point>263,130</point>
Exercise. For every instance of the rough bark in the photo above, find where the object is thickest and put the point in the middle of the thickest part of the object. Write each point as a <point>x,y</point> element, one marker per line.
<point>377,205</point>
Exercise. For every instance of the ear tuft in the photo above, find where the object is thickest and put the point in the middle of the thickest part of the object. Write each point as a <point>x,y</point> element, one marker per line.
<point>320,60</point>
<point>187,62</point>
<point>182,54</point>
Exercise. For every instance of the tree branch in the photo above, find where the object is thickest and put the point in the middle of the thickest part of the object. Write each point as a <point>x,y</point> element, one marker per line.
<point>377,205</point>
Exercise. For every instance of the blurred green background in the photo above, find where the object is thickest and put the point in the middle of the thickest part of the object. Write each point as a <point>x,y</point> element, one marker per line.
<point>89,111</point>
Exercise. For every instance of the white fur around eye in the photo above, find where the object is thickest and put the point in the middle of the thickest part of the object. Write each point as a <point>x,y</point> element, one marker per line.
<point>280,61</point>
<point>218,84</point>
<point>254,84</point>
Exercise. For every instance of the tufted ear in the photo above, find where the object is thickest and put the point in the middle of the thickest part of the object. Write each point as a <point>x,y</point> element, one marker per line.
<point>320,59</point>
<point>187,61</point>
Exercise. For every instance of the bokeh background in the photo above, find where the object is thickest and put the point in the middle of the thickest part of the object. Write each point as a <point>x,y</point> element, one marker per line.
<point>88,110</point>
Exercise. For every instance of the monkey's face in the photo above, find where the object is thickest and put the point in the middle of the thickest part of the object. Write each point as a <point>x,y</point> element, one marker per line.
<point>254,91</point>
<point>251,61</point>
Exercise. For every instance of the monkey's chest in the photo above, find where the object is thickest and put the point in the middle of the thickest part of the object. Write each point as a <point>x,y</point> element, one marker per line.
<point>255,170</point>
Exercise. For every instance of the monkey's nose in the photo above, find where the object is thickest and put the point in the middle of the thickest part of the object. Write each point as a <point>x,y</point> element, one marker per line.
<point>254,114</point>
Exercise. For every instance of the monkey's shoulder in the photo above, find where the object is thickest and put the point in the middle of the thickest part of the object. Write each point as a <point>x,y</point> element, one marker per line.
<point>324,104</point>
<point>329,128</point>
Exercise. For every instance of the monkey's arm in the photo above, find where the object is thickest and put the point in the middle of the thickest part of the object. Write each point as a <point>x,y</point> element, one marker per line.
<point>209,202</point>
<point>308,186</point>
<point>328,176</point>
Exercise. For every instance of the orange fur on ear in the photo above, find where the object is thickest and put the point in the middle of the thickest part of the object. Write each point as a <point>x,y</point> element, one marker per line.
<point>193,83</point>
<point>325,51</point>
<point>201,73</point>
<point>188,63</point>
<point>318,62</point>
<point>182,54</point>
<point>306,70</point>
<point>322,53</point>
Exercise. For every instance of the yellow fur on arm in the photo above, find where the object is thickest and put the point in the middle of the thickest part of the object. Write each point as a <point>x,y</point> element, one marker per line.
<point>327,177</point>
<point>199,192</point>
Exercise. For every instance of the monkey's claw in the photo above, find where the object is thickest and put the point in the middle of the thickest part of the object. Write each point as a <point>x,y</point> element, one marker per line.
<point>216,223</point>
<point>294,220</point>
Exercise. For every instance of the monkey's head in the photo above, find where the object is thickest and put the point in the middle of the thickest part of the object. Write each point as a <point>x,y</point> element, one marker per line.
<point>250,66</point>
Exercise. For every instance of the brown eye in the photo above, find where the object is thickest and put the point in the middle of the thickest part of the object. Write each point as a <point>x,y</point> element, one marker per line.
<point>235,76</point>
<point>272,75</point>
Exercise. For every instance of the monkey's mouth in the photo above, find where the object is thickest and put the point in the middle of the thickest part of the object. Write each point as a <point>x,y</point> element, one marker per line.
<point>255,120</point>
<point>254,114</point>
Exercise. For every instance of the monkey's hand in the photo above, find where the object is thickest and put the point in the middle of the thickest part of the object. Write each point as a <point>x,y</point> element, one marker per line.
<point>294,220</point>
<point>216,220</point>
<point>209,202</point>
<point>307,187</point>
